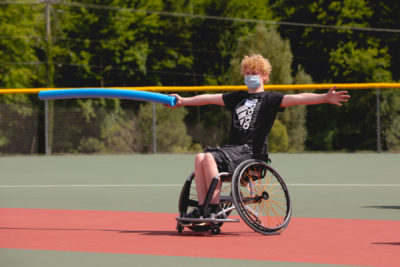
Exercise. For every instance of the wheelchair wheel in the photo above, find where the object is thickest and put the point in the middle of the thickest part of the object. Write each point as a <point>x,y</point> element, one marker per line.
<point>188,202</point>
<point>261,197</point>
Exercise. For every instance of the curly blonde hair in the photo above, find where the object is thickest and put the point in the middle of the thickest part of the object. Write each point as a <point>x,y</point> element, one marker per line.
<point>256,63</point>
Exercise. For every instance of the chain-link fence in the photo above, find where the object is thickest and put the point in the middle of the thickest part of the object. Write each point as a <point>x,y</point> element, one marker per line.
<point>149,128</point>
<point>75,129</point>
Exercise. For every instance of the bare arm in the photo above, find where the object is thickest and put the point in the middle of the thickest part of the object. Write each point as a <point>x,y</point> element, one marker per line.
<point>198,100</point>
<point>331,97</point>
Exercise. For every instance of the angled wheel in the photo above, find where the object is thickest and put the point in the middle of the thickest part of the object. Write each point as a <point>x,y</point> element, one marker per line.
<point>261,197</point>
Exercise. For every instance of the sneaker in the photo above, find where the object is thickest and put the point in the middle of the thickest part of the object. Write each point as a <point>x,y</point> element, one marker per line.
<point>215,208</point>
<point>212,210</point>
<point>195,213</point>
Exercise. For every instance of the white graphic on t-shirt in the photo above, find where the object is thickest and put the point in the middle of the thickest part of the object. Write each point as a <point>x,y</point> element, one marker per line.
<point>245,112</point>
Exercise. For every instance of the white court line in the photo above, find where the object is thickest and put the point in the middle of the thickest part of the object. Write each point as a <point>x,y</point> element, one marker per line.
<point>179,185</point>
<point>89,185</point>
<point>349,185</point>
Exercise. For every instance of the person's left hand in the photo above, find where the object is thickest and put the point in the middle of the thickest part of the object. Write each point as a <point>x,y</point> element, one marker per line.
<point>336,98</point>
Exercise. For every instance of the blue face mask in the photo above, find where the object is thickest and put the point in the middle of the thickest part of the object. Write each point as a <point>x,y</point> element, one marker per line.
<point>252,81</point>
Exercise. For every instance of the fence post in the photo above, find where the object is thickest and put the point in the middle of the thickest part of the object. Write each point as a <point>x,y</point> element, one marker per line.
<point>378,122</point>
<point>46,127</point>
<point>154,129</point>
<point>49,77</point>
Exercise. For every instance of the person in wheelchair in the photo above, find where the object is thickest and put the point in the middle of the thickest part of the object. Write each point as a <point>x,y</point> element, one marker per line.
<point>252,116</point>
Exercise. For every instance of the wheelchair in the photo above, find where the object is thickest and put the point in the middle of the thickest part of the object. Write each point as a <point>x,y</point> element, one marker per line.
<point>255,190</point>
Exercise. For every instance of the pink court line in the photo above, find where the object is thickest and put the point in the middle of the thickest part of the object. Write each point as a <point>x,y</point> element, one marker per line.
<point>306,240</point>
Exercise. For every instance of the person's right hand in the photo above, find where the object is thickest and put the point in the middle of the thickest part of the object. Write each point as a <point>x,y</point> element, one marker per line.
<point>178,101</point>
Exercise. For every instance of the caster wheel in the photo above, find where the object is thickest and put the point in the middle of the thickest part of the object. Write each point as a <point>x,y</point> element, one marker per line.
<point>215,230</point>
<point>179,227</point>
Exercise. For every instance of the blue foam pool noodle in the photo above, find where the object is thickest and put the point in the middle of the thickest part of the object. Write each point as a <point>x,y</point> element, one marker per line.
<point>107,93</point>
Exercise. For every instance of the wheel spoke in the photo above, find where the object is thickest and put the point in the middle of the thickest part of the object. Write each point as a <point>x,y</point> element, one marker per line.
<point>275,184</point>
<point>255,188</point>
<point>245,192</point>
<point>271,217</point>
<point>265,207</point>
<point>260,215</point>
<point>278,204</point>
<point>276,190</point>
<point>276,215</point>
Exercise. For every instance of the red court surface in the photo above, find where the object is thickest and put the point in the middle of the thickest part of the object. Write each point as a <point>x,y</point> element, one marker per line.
<point>306,240</point>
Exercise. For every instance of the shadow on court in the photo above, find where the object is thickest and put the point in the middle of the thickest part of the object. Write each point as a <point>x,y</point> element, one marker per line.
<point>383,207</point>
<point>387,243</point>
<point>140,232</point>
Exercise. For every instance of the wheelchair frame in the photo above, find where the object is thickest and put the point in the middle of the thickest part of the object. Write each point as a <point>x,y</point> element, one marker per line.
<point>246,193</point>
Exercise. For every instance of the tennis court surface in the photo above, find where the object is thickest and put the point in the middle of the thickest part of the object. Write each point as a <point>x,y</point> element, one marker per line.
<point>120,210</point>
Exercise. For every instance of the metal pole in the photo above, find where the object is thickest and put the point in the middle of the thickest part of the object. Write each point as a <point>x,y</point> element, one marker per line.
<point>46,104</point>
<point>46,127</point>
<point>378,122</point>
<point>154,129</point>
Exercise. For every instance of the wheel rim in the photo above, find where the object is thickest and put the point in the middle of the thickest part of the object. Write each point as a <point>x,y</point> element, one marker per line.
<point>264,201</point>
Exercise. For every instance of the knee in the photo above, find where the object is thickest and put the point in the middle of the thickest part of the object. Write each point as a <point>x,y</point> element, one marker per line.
<point>208,157</point>
<point>199,157</point>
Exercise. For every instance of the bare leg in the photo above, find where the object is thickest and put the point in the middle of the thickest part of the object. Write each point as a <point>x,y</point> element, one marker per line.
<point>210,171</point>
<point>199,176</point>
<point>205,170</point>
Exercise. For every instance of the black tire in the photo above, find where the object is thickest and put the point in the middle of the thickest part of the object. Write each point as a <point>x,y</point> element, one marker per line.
<point>179,227</point>
<point>215,230</point>
<point>261,197</point>
<point>188,202</point>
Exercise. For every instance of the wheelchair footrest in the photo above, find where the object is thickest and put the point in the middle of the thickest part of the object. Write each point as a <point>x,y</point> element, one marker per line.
<point>205,220</point>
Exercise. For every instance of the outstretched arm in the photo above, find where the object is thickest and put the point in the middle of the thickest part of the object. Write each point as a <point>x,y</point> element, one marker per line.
<point>331,97</point>
<point>198,100</point>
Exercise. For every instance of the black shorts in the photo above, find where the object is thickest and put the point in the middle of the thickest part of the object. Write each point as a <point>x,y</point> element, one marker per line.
<point>228,157</point>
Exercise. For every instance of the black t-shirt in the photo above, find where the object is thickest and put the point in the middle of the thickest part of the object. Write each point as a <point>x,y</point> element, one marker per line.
<point>252,118</point>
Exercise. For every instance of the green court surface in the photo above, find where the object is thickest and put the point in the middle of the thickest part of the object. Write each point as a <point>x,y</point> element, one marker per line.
<point>350,186</point>
<point>38,258</point>
<point>356,186</point>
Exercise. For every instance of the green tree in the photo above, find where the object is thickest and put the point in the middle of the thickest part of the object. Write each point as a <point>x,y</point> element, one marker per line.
<point>20,67</point>
<point>217,39</point>
<point>170,129</point>
<point>118,134</point>
<point>340,56</point>
<point>384,15</point>
<point>100,47</point>
<point>278,140</point>
<point>390,109</point>
<point>351,62</point>
<point>18,48</point>
<point>312,46</point>
<point>122,47</point>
